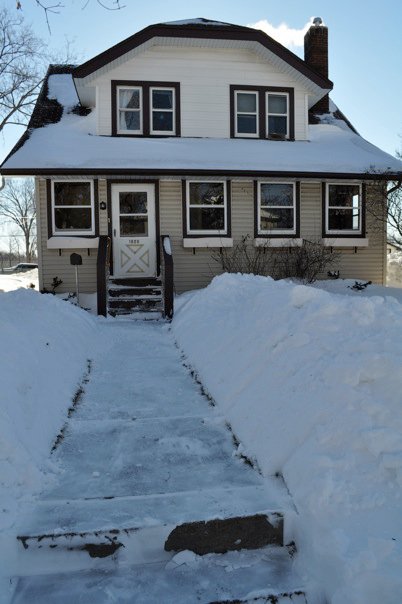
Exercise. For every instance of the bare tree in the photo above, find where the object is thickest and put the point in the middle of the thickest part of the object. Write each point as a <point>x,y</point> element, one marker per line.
<point>21,69</point>
<point>17,204</point>
<point>384,203</point>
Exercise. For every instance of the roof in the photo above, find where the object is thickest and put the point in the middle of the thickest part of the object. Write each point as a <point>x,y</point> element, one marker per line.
<point>62,139</point>
<point>201,28</point>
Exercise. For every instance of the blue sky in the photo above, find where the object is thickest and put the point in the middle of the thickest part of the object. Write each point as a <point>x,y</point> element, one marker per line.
<point>365,46</point>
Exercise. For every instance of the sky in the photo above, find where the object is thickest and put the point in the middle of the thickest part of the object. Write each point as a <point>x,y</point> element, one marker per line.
<point>365,45</point>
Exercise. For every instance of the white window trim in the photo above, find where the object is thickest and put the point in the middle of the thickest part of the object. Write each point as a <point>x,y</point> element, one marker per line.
<point>343,231</point>
<point>69,232</point>
<point>236,113</point>
<point>140,110</point>
<point>172,111</point>
<point>207,242</point>
<point>276,231</point>
<point>268,114</point>
<point>345,241</point>
<point>278,242</point>
<point>188,206</point>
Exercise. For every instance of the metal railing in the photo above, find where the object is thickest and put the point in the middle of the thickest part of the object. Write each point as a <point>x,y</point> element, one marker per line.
<point>167,276</point>
<point>102,273</point>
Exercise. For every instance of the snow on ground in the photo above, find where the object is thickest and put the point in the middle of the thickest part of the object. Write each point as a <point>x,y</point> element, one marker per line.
<point>311,383</point>
<point>45,344</point>
<point>9,282</point>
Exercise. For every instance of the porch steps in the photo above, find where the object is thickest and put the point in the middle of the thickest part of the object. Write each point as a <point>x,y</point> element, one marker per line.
<point>128,296</point>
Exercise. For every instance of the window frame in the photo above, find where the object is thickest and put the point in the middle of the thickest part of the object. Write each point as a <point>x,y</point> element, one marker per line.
<point>277,233</point>
<point>197,233</point>
<point>268,114</point>
<point>70,232</point>
<point>146,117</point>
<point>257,116</point>
<point>140,111</point>
<point>345,232</point>
<point>172,111</point>
<point>262,92</point>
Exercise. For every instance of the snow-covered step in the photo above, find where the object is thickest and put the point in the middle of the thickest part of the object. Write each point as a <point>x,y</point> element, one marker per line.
<point>264,575</point>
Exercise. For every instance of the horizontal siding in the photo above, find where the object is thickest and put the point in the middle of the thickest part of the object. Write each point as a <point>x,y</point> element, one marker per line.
<point>51,264</point>
<point>205,76</point>
<point>195,268</point>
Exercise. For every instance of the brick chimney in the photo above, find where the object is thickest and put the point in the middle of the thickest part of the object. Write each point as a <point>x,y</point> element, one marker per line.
<point>316,56</point>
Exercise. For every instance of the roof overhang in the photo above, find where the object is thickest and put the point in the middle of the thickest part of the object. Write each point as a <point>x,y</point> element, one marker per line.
<point>216,36</point>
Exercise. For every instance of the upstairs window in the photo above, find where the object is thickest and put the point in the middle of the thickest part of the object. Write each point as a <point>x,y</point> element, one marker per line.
<point>343,209</point>
<point>73,208</point>
<point>162,109</point>
<point>277,115</point>
<point>246,110</point>
<point>276,213</point>
<point>145,108</point>
<point>206,208</point>
<point>262,112</point>
<point>129,103</point>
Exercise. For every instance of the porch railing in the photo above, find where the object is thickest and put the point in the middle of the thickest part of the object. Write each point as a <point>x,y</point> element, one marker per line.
<point>167,276</point>
<point>102,273</point>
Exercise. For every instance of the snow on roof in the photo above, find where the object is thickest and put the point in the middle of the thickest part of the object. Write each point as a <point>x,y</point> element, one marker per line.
<point>61,90</point>
<point>72,143</point>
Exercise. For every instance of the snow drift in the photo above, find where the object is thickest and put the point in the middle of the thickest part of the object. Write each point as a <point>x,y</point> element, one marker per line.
<point>311,383</point>
<point>45,343</point>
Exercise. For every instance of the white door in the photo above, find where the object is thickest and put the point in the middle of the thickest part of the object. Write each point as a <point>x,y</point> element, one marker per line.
<point>134,235</point>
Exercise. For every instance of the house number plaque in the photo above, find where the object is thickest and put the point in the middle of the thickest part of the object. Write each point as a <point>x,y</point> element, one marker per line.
<point>135,241</point>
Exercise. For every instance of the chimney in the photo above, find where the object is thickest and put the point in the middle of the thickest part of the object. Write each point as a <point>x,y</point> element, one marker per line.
<point>316,56</point>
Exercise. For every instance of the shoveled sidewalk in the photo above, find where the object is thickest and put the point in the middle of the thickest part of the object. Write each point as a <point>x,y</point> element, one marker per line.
<point>143,452</point>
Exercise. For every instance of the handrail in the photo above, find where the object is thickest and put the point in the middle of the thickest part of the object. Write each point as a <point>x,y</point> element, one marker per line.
<point>167,277</point>
<point>102,272</point>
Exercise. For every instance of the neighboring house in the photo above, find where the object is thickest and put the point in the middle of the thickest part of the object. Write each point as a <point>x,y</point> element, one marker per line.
<point>392,247</point>
<point>203,131</point>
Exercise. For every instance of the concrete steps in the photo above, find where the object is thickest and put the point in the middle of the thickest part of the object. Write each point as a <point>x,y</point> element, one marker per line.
<point>128,296</point>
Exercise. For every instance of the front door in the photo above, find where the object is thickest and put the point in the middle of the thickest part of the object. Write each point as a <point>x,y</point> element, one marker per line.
<point>134,233</point>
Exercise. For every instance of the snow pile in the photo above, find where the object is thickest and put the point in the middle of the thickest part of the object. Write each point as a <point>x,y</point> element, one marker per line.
<point>394,269</point>
<point>45,344</point>
<point>9,282</point>
<point>311,382</point>
<point>60,89</point>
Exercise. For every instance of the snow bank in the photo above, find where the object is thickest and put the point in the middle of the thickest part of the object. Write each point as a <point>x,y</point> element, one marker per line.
<point>9,282</point>
<point>311,383</point>
<point>45,344</point>
<point>394,269</point>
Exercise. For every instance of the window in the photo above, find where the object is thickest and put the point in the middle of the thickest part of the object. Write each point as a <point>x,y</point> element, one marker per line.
<point>73,207</point>
<point>262,112</point>
<point>133,213</point>
<point>276,212</point>
<point>246,113</point>
<point>206,208</point>
<point>145,108</point>
<point>162,109</point>
<point>343,211</point>
<point>129,110</point>
<point>277,115</point>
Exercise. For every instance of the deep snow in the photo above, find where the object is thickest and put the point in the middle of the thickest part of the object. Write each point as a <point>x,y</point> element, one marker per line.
<point>311,382</point>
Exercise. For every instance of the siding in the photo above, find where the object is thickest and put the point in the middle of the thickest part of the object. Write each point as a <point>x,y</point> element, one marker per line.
<point>52,264</point>
<point>195,268</point>
<point>205,75</point>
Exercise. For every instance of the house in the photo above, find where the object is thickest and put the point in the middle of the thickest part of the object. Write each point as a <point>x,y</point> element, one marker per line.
<point>202,132</point>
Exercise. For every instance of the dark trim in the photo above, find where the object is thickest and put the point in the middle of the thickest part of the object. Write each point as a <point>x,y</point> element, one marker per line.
<point>262,109</point>
<point>96,205</point>
<point>259,235</point>
<point>102,272</point>
<point>49,208</point>
<point>327,235</point>
<point>223,32</point>
<point>228,213</point>
<point>125,181</point>
<point>250,174</point>
<point>146,109</point>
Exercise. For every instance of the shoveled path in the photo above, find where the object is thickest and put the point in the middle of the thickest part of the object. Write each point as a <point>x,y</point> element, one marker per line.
<point>143,451</point>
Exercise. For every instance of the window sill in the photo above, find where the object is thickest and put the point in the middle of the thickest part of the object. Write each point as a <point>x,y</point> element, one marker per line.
<point>209,242</point>
<point>69,243</point>
<point>345,242</point>
<point>278,242</point>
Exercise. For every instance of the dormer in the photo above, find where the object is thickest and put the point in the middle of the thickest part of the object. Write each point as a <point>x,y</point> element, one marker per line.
<point>201,78</point>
